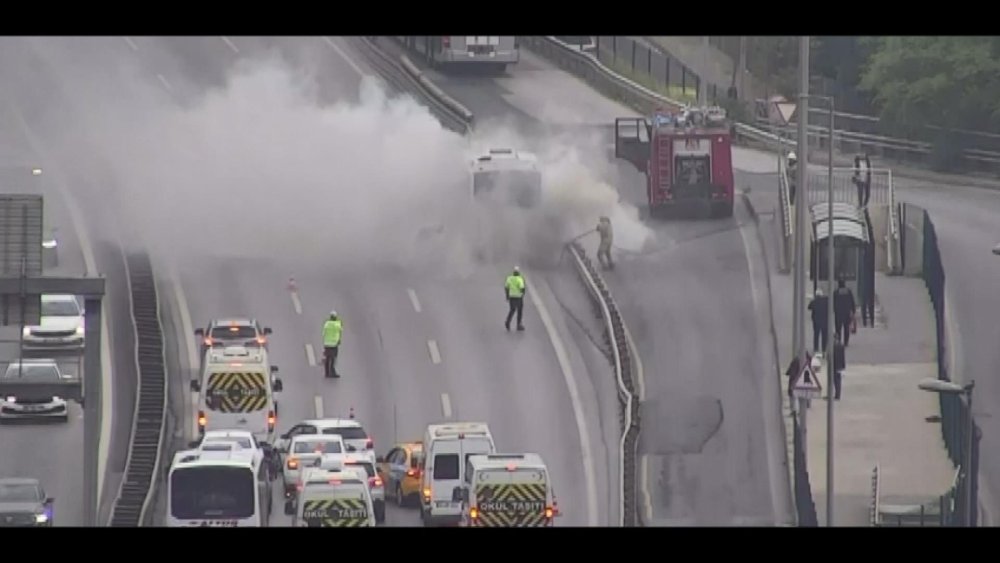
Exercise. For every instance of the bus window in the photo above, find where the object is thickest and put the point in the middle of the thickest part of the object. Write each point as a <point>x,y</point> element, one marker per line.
<point>212,492</point>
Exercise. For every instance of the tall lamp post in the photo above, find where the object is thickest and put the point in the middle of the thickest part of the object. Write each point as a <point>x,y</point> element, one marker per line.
<point>949,388</point>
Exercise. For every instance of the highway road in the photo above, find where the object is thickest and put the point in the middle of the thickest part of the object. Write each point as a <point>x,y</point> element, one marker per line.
<point>53,452</point>
<point>422,344</point>
<point>711,439</point>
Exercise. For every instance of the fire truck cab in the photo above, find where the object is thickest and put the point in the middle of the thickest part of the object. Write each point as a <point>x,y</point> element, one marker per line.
<point>686,156</point>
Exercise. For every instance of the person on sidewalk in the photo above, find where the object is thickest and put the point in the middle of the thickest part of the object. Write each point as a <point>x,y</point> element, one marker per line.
<point>793,175</point>
<point>863,180</point>
<point>514,289</point>
<point>843,311</point>
<point>819,309</point>
<point>839,363</point>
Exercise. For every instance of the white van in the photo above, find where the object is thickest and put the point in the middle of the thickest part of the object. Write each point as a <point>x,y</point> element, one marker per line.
<point>447,449</point>
<point>508,490</point>
<point>331,499</point>
<point>236,392</point>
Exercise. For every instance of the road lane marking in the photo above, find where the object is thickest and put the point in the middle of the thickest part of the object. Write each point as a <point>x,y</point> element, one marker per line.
<point>310,355</point>
<point>647,499</point>
<point>131,44</point>
<point>231,45</point>
<point>414,300</point>
<point>186,338</point>
<point>163,80</point>
<point>432,346</point>
<point>318,406</point>
<point>344,56</point>
<point>574,395</point>
<point>445,405</point>
<point>296,302</point>
<point>90,265</point>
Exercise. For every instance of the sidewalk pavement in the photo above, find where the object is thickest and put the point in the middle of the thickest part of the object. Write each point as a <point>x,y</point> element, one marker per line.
<point>882,417</point>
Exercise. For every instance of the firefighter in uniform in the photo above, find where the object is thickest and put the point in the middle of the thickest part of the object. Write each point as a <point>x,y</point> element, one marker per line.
<point>514,289</point>
<point>332,331</point>
<point>604,249</point>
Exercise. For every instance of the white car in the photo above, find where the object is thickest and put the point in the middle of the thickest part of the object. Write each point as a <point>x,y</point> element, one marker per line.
<point>354,435</point>
<point>302,452</point>
<point>61,327</point>
<point>21,408</point>
<point>368,470</point>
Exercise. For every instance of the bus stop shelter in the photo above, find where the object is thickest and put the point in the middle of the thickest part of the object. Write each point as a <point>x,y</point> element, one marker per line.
<point>850,241</point>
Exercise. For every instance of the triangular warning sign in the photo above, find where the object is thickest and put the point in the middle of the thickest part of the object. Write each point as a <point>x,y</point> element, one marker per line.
<point>786,110</point>
<point>807,381</point>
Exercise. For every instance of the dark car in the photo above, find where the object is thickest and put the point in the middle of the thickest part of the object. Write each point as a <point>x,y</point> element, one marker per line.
<point>23,503</point>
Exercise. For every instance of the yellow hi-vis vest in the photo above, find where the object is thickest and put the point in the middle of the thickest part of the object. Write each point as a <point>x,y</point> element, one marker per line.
<point>515,286</point>
<point>331,333</point>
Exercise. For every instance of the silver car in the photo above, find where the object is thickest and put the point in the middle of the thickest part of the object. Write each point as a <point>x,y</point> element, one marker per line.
<point>23,504</point>
<point>365,465</point>
<point>47,407</point>
<point>61,326</point>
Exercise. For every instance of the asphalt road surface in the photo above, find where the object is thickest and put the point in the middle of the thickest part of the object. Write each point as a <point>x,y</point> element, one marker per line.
<point>420,345</point>
<point>711,438</point>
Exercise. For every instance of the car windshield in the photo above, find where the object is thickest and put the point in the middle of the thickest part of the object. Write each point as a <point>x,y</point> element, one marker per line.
<point>233,333</point>
<point>212,492</point>
<point>60,308</point>
<point>317,446</point>
<point>33,371</point>
<point>348,432</point>
<point>19,493</point>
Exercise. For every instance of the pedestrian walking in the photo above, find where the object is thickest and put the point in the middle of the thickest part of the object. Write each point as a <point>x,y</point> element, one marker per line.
<point>793,176</point>
<point>839,363</point>
<point>863,179</point>
<point>843,311</point>
<point>604,249</point>
<point>819,309</point>
<point>514,290</point>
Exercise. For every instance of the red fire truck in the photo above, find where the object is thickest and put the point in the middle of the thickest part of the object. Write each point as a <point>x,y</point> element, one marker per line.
<point>686,156</point>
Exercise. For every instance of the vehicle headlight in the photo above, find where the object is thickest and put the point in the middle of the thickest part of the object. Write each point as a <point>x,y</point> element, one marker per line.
<point>79,331</point>
<point>26,331</point>
<point>11,399</point>
<point>41,518</point>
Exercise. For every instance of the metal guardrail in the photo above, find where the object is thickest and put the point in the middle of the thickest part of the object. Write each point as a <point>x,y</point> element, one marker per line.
<point>448,108</point>
<point>627,391</point>
<point>137,488</point>
<point>874,513</point>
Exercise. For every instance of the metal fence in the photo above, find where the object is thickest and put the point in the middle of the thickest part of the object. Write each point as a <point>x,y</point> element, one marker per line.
<point>805,506</point>
<point>650,65</point>
<point>954,408</point>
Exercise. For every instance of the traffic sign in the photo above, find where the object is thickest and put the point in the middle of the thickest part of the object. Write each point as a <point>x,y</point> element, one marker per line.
<point>806,385</point>
<point>786,110</point>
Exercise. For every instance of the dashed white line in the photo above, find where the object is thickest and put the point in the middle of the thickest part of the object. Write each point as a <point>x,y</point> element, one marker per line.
<point>445,405</point>
<point>296,302</point>
<point>432,346</point>
<point>310,355</point>
<point>318,404</point>
<point>131,44</point>
<point>231,45</point>
<point>344,56</point>
<point>163,80</point>
<point>414,300</point>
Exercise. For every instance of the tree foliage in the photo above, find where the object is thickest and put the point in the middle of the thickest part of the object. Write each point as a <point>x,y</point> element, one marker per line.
<point>949,82</point>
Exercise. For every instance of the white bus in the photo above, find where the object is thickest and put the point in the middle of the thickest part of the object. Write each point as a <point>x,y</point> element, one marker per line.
<point>507,176</point>
<point>237,388</point>
<point>220,484</point>
<point>496,51</point>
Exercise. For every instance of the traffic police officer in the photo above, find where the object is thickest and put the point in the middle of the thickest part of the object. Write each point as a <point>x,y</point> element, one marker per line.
<point>604,249</point>
<point>332,331</point>
<point>514,289</point>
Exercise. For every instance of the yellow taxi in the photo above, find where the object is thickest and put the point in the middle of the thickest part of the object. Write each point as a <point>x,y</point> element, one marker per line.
<point>400,469</point>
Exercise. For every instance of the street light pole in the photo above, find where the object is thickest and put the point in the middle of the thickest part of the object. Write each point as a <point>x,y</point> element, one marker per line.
<point>970,430</point>
<point>801,200</point>
<point>830,361</point>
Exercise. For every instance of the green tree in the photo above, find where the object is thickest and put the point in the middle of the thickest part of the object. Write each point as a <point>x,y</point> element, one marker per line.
<point>949,82</point>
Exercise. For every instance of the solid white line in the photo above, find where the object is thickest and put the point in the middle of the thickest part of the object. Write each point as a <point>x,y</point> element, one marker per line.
<point>432,345</point>
<point>131,44</point>
<point>414,300</point>
<point>187,337</point>
<point>310,355</point>
<point>647,499</point>
<point>445,405</point>
<point>231,45</point>
<point>296,303</point>
<point>163,80</point>
<point>344,56</point>
<point>318,404</point>
<point>574,395</point>
<point>90,266</point>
